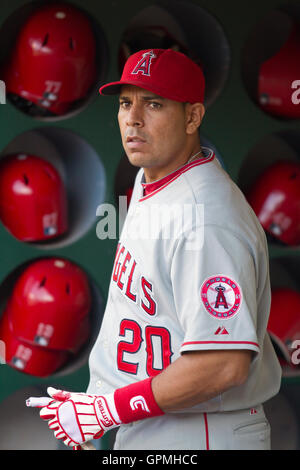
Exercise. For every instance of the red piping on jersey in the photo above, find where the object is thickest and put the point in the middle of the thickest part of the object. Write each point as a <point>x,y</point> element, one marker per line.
<point>220,342</point>
<point>206,431</point>
<point>176,174</point>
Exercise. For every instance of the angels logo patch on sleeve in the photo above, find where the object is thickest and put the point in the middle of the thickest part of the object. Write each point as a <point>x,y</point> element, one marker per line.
<point>221,297</point>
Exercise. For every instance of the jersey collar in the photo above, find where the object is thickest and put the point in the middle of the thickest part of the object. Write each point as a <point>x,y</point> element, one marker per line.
<point>149,189</point>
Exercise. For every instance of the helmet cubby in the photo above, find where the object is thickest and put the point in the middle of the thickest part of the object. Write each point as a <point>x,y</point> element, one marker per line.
<point>51,312</point>
<point>184,27</point>
<point>84,179</point>
<point>56,59</point>
<point>270,180</point>
<point>269,65</point>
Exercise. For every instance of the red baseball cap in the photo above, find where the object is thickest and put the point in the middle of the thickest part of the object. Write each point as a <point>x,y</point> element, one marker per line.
<point>165,72</point>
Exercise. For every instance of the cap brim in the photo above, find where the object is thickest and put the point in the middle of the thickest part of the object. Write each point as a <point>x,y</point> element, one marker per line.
<point>112,88</point>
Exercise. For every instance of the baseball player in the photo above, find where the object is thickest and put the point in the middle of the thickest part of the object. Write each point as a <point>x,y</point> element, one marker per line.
<point>182,360</point>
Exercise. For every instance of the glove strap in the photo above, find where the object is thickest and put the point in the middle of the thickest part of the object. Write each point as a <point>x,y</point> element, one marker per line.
<point>136,401</point>
<point>106,412</point>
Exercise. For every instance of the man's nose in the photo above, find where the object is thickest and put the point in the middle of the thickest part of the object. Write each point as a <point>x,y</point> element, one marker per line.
<point>135,116</point>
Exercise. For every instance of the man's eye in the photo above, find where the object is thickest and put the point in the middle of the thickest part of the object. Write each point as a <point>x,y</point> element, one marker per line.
<point>155,105</point>
<point>124,104</point>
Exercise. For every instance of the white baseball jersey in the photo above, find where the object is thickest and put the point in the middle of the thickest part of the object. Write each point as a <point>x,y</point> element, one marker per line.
<point>191,272</point>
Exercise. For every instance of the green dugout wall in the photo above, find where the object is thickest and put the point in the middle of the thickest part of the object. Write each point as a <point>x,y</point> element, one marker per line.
<point>230,39</point>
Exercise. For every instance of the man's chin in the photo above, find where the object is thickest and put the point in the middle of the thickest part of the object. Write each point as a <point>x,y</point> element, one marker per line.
<point>138,159</point>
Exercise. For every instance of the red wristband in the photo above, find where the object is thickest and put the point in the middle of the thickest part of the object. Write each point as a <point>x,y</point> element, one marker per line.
<point>136,401</point>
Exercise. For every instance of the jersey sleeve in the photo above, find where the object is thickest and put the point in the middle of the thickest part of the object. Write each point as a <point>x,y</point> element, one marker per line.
<point>214,282</point>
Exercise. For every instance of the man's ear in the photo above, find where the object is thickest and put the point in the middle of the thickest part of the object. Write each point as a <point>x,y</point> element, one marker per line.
<point>194,115</point>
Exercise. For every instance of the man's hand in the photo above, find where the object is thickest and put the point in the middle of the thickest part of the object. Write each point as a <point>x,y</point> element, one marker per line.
<point>76,418</point>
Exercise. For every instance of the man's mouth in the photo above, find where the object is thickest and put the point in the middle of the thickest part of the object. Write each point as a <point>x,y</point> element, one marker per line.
<point>135,142</point>
<point>135,138</point>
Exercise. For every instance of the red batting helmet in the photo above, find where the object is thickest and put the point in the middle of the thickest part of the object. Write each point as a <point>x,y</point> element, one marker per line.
<point>33,201</point>
<point>276,75</point>
<point>275,198</point>
<point>46,319</point>
<point>284,322</point>
<point>53,63</point>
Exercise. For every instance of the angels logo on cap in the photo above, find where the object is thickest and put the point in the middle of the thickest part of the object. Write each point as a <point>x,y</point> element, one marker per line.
<point>221,297</point>
<point>144,64</point>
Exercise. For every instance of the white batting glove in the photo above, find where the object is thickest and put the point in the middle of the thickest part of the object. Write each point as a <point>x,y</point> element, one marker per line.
<point>77,418</point>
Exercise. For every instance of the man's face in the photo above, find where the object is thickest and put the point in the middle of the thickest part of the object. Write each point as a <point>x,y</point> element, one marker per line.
<point>153,130</point>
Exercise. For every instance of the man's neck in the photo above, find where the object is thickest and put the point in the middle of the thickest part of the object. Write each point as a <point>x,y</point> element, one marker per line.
<point>154,174</point>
